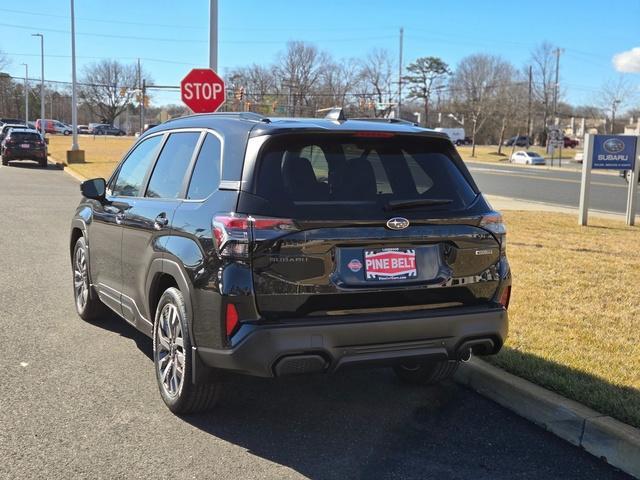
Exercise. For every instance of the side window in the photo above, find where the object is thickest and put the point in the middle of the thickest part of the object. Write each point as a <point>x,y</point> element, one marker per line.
<point>168,174</point>
<point>316,156</point>
<point>135,167</point>
<point>206,174</point>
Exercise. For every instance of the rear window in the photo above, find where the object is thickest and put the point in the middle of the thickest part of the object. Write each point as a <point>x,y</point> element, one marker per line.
<point>340,176</point>
<point>25,136</point>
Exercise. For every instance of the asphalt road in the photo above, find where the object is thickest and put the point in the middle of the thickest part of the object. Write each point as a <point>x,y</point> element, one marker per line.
<point>79,400</point>
<point>541,184</point>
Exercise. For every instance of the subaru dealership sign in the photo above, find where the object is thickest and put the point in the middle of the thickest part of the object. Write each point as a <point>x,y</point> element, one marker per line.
<point>616,152</point>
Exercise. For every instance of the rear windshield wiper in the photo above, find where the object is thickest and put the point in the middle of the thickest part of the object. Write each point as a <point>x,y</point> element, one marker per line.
<point>427,202</point>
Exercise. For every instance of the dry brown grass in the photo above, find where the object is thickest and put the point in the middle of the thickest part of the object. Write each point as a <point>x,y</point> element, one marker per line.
<point>575,311</point>
<point>489,153</point>
<point>102,153</point>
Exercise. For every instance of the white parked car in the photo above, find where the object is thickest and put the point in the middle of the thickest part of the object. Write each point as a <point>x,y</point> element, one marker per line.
<point>527,158</point>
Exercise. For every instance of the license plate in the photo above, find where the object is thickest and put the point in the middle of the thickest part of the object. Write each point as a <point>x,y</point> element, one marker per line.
<point>24,145</point>
<point>390,264</point>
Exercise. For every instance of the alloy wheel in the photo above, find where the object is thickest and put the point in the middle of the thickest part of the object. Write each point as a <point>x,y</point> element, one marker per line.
<point>170,353</point>
<point>80,279</point>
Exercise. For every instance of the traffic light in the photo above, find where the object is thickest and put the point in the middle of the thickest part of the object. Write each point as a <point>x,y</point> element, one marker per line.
<point>123,91</point>
<point>145,101</point>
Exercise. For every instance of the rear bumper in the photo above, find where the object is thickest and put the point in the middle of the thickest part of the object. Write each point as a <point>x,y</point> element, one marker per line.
<point>330,344</point>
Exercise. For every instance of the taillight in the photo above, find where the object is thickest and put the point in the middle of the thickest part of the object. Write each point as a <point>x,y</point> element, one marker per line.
<point>505,296</point>
<point>232,232</point>
<point>493,222</point>
<point>231,319</point>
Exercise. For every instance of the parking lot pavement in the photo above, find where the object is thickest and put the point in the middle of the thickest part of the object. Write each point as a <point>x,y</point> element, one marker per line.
<point>79,400</point>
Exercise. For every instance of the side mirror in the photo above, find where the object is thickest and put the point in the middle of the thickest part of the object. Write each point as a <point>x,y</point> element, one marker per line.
<point>94,188</point>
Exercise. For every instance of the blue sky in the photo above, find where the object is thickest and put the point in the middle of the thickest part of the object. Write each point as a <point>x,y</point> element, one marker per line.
<point>171,36</point>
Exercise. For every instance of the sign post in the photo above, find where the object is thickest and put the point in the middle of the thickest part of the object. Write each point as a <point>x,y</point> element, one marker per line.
<point>610,152</point>
<point>632,193</point>
<point>202,90</point>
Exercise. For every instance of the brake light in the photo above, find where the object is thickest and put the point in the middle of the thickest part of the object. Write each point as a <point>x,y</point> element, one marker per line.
<point>494,223</point>
<point>505,296</point>
<point>232,232</point>
<point>374,134</point>
<point>231,319</point>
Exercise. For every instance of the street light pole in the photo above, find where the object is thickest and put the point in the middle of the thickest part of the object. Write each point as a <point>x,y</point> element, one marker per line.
<point>74,103</point>
<point>42,100</point>
<point>213,35</point>
<point>26,94</point>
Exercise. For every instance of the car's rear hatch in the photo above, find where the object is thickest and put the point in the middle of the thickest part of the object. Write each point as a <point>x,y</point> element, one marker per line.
<point>366,222</point>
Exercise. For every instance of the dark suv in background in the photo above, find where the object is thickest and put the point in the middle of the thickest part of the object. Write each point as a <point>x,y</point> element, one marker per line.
<point>281,246</point>
<point>22,143</point>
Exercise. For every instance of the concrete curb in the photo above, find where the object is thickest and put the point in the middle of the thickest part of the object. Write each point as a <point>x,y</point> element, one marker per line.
<point>66,169</point>
<point>611,440</point>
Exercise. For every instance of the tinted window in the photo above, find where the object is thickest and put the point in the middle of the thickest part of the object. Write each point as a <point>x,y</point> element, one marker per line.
<point>206,173</point>
<point>168,174</point>
<point>25,136</point>
<point>134,169</point>
<point>363,175</point>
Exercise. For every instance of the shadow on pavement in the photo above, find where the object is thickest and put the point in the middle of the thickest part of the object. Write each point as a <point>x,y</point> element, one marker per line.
<point>365,424</point>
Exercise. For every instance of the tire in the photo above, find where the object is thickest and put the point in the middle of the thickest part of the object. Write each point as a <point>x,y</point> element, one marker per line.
<point>426,373</point>
<point>5,162</point>
<point>172,347</point>
<point>88,305</point>
<point>67,133</point>
<point>42,163</point>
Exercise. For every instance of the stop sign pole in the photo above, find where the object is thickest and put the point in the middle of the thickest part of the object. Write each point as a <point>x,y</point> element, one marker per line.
<point>202,90</point>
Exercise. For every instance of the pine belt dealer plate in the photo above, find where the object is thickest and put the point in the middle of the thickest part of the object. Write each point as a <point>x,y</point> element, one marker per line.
<point>390,264</point>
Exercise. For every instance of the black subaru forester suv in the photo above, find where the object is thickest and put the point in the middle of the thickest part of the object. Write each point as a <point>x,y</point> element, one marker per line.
<point>282,246</point>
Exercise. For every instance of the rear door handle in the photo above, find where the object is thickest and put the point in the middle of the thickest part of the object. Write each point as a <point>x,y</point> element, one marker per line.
<point>161,221</point>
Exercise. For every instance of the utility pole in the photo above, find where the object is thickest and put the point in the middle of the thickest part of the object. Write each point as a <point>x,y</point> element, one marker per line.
<point>74,102</point>
<point>26,94</point>
<point>614,107</point>
<point>42,99</point>
<point>144,96</point>
<point>556,85</point>
<point>213,35</point>
<point>529,125</point>
<point>140,96</point>
<point>400,76</point>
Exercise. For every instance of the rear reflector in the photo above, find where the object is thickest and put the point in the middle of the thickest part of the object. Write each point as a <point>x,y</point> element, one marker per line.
<point>231,319</point>
<point>505,297</point>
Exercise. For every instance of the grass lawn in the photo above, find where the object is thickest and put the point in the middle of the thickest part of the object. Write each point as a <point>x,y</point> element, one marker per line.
<point>102,153</point>
<point>575,310</point>
<point>489,153</point>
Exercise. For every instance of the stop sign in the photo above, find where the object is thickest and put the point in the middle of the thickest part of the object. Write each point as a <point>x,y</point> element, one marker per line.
<point>202,90</point>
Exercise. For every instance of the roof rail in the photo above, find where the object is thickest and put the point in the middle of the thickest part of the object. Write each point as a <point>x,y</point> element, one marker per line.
<point>387,120</point>
<point>251,116</point>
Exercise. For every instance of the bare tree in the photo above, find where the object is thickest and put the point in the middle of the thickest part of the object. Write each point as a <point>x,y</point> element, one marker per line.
<point>338,79</point>
<point>543,61</point>
<point>258,81</point>
<point>376,72</point>
<point>616,94</point>
<point>299,69</point>
<point>425,74</point>
<point>109,88</point>
<point>476,83</point>
<point>511,96</point>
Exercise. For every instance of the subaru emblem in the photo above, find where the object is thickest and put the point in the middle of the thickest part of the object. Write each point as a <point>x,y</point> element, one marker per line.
<point>397,223</point>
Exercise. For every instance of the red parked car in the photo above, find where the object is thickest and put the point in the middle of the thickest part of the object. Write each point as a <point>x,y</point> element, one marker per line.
<point>570,143</point>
